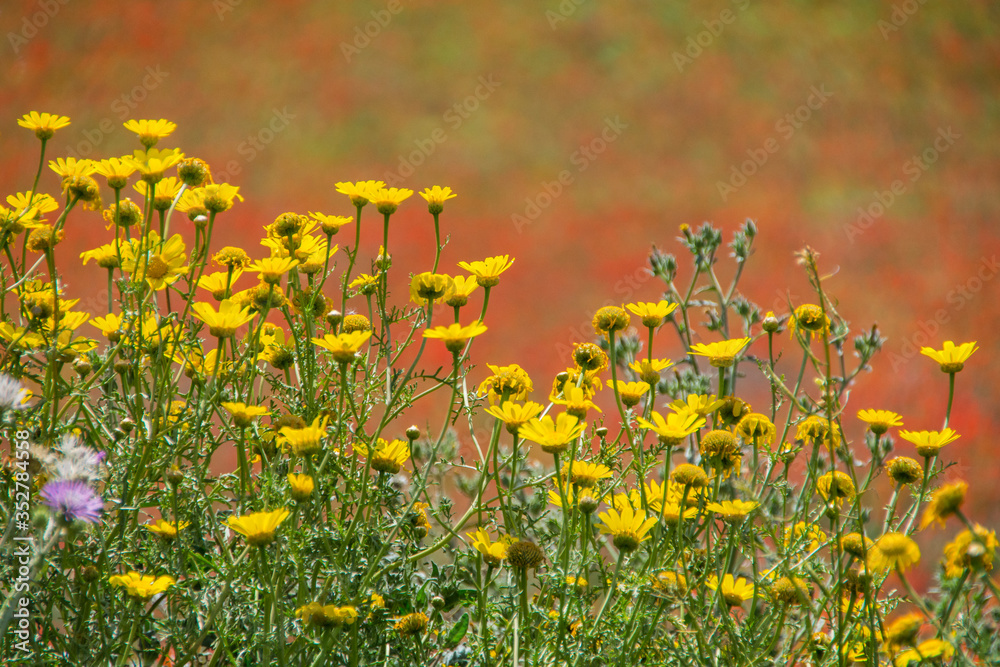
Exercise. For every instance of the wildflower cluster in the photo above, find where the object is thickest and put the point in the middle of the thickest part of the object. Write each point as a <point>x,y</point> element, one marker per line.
<point>223,470</point>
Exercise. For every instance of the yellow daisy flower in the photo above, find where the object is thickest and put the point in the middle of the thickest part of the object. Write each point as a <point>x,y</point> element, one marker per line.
<point>166,191</point>
<point>649,369</point>
<point>70,167</point>
<point>951,357</point>
<point>455,336</point>
<point>699,404</point>
<point>153,162</point>
<point>515,415</point>
<point>224,322</point>
<point>734,591</point>
<point>166,529</point>
<point>305,440</point>
<point>674,428</point>
<point>585,473</point>
<point>810,320</point>
<point>733,511</point>
<point>967,551</point>
<point>361,192</point>
<point>756,428</point>
<point>929,443</point>
<point>721,354</point>
<point>388,457</point>
<point>487,271</point>
<point>142,586</point>
<point>271,269</point>
<point>161,264</point>
<point>630,392</point>
<point>331,224</point>
<point>429,286</point>
<point>243,414</point>
<point>44,125</point>
<point>219,282</point>
<point>511,380</point>
<point>947,501</point>
<point>436,197</point>
<point>932,649</point>
<point>150,131</point>
<point>894,551</point>
<point>259,527</point>
<point>880,421</point>
<point>462,288</point>
<point>628,527</point>
<point>343,346</point>
<point>836,487</point>
<point>300,486</point>
<point>387,200</point>
<point>652,314</point>
<point>493,553</point>
<point>553,436</point>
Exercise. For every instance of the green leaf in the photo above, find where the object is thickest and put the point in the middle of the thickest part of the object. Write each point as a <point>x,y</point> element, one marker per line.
<point>457,632</point>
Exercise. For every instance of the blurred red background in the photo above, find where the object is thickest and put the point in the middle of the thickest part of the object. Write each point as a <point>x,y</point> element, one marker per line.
<point>867,130</point>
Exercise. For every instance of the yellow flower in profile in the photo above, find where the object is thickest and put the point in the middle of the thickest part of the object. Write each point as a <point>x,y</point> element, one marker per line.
<point>902,631</point>
<point>436,197</point>
<point>300,486</point>
<point>26,215</point>
<point>818,429</point>
<point>243,414</point>
<point>224,322</point>
<point>628,528</point>
<point>894,551</point>
<point>161,264</point>
<point>967,551</point>
<point>515,415</point>
<point>929,443</point>
<point>331,224</point>
<point>946,501</point>
<point>836,487</point>
<point>805,536</point>
<point>343,346</point>
<point>630,392</point>
<point>951,357</point>
<point>429,286</point>
<point>166,529</point>
<point>116,170</point>
<point>329,615</point>
<point>652,314</point>
<point>110,326</point>
<point>142,586</point>
<point>166,192</point>
<point>699,404</point>
<point>150,131</point>
<point>463,287</point>
<point>734,591</point>
<point>487,271</point>
<point>455,336</point>
<point>555,435</point>
<point>576,401</point>
<point>305,440</point>
<point>70,167</point>
<point>507,383</point>
<point>585,473</point>
<point>649,369</point>
<point>365,284</point>
<point>387,200</point>
<point>610,319</point>
<point>733,511</point>
<point>44,125</point>
<point>904,470</point>
<point>880,421</point>
<point>389,456</point>
<point>218,282</point>
<point>271,269</point>
<point>217,197</point>
<point>938,651</point>
<point>674,428</point>
<point>721,354</point>
<point>259,527</point>
<point>585,497</point>
<point>153,162</point>
<point>493,552</point>
<point>361,192</point>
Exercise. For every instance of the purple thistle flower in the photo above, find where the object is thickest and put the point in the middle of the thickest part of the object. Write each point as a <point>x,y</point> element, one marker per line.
<point>72,499</point>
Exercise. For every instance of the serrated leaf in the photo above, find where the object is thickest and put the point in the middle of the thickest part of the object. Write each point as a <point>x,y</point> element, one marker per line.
<point>457,632</point>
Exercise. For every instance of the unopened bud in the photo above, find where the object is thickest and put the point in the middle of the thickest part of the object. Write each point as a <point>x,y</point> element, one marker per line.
<point>412,433</point>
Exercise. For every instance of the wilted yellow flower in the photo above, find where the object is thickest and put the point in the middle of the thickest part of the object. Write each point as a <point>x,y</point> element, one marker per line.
<point>142,586</point>
<point>809,319</point>
<point>951,357</point>
<point>259,527</point>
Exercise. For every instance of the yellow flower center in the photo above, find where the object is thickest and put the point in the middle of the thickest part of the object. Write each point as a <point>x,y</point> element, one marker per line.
<point>156,268</point>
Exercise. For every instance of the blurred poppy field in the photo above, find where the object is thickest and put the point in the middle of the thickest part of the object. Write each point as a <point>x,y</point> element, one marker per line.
<point>577,135</point>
